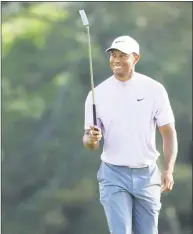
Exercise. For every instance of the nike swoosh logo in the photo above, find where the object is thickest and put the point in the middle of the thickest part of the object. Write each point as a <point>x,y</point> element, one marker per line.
<point>118,41</point>
<point>140,99</point>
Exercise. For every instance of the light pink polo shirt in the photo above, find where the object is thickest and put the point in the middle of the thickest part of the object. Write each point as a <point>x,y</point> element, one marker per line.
<point>127,113</point>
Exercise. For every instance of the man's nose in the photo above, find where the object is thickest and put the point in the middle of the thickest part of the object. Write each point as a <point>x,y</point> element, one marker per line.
<point>117,60</point>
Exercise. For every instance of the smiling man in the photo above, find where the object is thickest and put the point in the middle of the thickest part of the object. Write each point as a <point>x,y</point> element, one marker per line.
<point>129,107</point>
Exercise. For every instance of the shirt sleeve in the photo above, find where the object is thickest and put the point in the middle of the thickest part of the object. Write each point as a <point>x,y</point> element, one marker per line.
<point>88,118</point>
<point>163,112</point>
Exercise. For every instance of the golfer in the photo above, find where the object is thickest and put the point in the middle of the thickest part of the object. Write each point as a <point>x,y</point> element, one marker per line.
<point>129,106</point>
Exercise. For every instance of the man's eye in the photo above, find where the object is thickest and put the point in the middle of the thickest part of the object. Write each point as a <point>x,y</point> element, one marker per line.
<point>123,56</point>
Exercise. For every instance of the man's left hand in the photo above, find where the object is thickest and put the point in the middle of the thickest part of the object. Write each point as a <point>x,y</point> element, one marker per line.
<point>167,181</point>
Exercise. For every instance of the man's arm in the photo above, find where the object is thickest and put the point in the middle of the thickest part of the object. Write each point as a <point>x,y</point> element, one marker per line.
<point>170,146</point>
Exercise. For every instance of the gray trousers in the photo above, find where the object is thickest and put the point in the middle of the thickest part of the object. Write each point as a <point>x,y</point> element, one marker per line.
<point>130,198</point>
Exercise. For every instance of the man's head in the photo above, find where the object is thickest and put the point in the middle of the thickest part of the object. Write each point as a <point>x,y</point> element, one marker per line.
<point>124,55</point>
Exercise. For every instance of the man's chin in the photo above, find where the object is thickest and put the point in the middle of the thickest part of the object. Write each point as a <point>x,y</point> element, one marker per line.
<point>118,73</point>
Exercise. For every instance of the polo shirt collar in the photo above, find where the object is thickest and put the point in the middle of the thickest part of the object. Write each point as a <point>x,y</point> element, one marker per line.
<point>124,83</point>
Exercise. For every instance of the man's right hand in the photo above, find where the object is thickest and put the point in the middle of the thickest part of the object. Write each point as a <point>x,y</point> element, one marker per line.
<point>94,134</point>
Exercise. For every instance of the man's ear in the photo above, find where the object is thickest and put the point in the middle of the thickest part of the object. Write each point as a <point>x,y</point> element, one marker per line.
<point>137,57</point>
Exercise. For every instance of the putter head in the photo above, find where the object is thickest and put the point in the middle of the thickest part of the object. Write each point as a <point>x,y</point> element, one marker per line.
<point>84,18</point>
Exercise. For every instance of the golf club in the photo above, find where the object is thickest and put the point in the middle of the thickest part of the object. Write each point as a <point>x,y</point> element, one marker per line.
<point>86,23</point>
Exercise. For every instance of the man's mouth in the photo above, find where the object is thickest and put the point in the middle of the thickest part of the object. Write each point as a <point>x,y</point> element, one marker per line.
<point>117,66</point>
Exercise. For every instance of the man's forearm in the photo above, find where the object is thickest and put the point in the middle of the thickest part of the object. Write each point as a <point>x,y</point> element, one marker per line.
<point>89,145</point>
<point>170,150</point>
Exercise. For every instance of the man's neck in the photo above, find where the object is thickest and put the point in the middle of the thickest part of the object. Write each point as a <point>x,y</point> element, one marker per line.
<point>125,78</point>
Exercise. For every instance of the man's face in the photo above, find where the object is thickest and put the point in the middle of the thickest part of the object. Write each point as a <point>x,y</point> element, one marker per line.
<point>121,63</point>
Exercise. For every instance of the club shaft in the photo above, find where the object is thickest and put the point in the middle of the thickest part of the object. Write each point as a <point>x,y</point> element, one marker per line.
<point>90,62</point>
<point>91,76</point>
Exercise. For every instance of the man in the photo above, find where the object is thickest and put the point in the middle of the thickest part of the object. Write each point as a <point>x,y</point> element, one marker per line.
<point>129,106</point>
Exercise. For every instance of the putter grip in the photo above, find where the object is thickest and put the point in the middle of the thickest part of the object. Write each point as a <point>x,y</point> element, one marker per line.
<point>94,115</point>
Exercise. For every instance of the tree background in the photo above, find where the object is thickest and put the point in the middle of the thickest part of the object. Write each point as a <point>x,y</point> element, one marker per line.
<point>48,179</point>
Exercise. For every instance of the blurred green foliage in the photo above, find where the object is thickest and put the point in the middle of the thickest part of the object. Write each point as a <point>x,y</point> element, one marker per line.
<point>48,179</point>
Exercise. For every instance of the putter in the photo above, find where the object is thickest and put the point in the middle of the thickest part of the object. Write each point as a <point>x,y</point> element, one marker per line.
<point>86,24</point>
